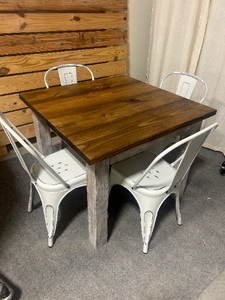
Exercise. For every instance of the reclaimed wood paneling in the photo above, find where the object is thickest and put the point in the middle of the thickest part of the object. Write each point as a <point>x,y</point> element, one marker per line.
<point>3,150</point>
<point>37,62</point>
<point>27,130</point>
<point>20,117</point>
<point>36,22</point>
<point>33,81</point>
<point>68,5</point>
<point>11,103</point>
<point>37,35</point>
<point>31,43</point>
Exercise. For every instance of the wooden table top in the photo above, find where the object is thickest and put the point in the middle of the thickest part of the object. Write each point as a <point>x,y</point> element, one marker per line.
<point>105,117</point>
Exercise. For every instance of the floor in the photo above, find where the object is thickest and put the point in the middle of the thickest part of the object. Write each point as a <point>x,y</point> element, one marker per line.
<point>216,290</point>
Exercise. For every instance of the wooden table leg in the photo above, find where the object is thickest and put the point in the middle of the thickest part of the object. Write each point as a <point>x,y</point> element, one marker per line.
<point>97,197</point>
<point>43,135</point>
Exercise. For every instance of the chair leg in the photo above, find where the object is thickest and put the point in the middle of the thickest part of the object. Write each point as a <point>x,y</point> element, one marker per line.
<point>30,202</point>
<point>50,223</point>
<point>147,225</point>
<point>178,213</point>
<point>50,242</point>
<point>50,203</point>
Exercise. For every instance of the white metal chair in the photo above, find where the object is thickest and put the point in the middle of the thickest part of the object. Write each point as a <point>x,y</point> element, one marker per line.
<point>53,176</point>
<point>150,179</point>
<point>186,84</point>
<point>185,88</point>
<point>67,73</point>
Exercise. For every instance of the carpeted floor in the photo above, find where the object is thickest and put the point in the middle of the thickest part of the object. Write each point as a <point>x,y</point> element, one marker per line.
<point>181,263</point>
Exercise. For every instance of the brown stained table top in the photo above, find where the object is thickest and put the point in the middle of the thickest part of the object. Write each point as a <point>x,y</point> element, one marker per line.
<point>105,117</point>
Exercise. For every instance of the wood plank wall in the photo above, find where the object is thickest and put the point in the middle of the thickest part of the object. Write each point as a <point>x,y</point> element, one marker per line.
<point>36,35</point>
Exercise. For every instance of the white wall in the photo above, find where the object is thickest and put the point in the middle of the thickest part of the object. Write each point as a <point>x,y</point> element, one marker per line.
<point>139,17</point>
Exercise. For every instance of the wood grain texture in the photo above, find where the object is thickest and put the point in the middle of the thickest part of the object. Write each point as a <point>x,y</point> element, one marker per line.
<point>11,102</point>
<point>65,5</point>
<point>26,82</point>
<point>11,65</point>
<point>183,132</point>
<point>106,117</point>
<point>3,150</point>
<point>20,117</point>
<point>27,130</point>
<point>47,42</point>
<point>45,22</point>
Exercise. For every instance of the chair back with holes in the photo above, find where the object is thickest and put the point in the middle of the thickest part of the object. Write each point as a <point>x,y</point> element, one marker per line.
<point>67,73</point>
<point>14,134</point>
<point>192,145</point>
<point>186,85</point>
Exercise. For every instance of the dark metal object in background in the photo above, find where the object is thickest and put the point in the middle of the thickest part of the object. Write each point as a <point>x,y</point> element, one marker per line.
<point>222,169</point>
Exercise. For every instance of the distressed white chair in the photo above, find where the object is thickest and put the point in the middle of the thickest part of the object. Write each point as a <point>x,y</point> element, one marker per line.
<point>67,73</point>
<point>53,176</point>
<point>186,84</point>
<point>185,88</point>
<point>150,179</point>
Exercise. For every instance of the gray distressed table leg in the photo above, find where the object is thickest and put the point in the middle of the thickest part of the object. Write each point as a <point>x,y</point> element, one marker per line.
<point>97,197</point>
<point>43,135</point>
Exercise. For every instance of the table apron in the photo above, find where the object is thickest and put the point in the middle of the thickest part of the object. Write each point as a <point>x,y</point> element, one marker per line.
<point>183,132</point>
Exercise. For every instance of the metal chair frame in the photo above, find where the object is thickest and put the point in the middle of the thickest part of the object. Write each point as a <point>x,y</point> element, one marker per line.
<point>151,179</point>
<point>53,176</point>
<point>65,66</point>
<point>187,75</point>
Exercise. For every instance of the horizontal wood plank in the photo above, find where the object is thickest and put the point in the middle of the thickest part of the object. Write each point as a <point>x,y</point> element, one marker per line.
<point>3,150</point>
<point>45,22</point>
<point>27,130</point>
<point>19,117</point>
<point>37,62</point>
<point>34,43</point>
<point>11,102</point>
<point>25,82</point>
<point>68,5</point>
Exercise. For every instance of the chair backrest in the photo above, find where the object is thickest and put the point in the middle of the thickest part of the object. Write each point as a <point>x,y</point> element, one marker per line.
<point>192,146</point>
<point>186,85</point>
<point>11,131</point>
<point>67,73</point>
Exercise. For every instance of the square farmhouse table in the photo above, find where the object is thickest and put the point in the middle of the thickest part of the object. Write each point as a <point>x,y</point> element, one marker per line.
<point>105,121</point>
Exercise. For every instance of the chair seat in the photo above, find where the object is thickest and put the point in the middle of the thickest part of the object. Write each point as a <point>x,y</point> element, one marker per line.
<point>158,179</point>
<point>70,169</point>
